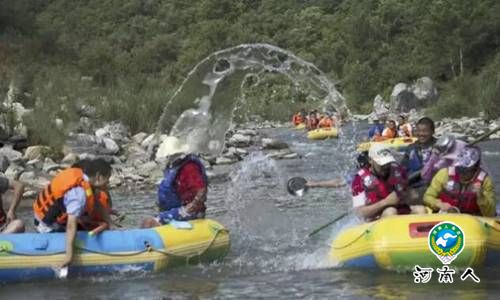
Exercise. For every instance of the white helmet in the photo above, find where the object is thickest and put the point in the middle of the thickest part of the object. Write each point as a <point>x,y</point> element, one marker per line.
<point>445,143</point>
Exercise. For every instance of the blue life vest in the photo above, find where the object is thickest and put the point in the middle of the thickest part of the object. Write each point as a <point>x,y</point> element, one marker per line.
<point>167,194</point>
<point>414,162</point>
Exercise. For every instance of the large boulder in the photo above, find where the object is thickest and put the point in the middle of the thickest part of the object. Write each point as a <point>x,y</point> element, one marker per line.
<point>402,98</point>
<point>405,97</point>
<point>36,152</point>
<point>425,91</point>
<point>380,107</point>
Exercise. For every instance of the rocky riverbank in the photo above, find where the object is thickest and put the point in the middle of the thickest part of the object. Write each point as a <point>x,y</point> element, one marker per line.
<point>134,164</point>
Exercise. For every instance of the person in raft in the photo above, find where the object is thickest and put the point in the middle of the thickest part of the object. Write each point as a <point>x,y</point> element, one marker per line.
<point>9,223</point>
<point>67,197</point>
<point>382,188</point>
<point>183,191</point>
<point>464,187</point>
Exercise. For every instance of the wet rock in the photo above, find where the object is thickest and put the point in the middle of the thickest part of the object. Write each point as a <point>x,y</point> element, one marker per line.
<point>115,180</point>
<point>214,177</point>
<point>283,154</point>
<point>225,161</point>
<point>36,152</point>
<point>272,144</point>
<point>249,132</point>
<point>239,140</point>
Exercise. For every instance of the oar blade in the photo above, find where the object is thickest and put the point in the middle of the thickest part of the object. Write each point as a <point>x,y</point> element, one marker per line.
<point>296,186</point>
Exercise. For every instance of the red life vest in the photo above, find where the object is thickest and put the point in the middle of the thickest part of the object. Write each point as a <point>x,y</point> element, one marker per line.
<point>376,189</point>
<point>463,197</point>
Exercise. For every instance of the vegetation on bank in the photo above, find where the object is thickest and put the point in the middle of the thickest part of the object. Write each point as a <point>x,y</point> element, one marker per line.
<point>127,56</point>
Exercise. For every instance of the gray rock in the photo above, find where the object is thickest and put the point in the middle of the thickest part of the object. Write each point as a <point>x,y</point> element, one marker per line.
<point>425,91</point>
<point>14,171</point>
<point>239,140</point>
<point>4,163</point>
<point>49,165</point>
<point>115,180</point>
<point>225,161</point>
<point>115,131</point>
<point>272,144</point>
<point>30,194</point>
<point>140,137</point>
<point>70,158</point>
<point>36,164</point>
<point>380,107</point>
<point>249,132</point>
<point>146,169</point>
<point>11,154</point>
<point>403,99</point>
<point>111,145</point>
<point>36,152</point>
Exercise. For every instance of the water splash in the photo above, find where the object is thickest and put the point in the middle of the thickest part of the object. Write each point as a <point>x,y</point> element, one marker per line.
<point>201,110</point>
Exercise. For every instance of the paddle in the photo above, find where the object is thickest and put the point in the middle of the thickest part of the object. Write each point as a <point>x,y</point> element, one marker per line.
<point>328,224</point>
<point>296,186</point>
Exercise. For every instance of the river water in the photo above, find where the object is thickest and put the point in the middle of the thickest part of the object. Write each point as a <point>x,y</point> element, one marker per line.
<point>270,255</point>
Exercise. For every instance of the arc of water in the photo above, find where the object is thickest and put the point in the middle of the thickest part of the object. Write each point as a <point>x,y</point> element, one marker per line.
<point>201,110</point>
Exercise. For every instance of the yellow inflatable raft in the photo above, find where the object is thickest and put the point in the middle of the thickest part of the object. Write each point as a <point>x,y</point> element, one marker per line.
<point>396,143</point>
<point>401,242</point>
<point>30,256</point>
<point>300,126</point>
<point>322,133</point>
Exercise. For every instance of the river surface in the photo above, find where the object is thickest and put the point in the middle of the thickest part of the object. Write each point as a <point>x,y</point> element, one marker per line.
<point>270,255</point>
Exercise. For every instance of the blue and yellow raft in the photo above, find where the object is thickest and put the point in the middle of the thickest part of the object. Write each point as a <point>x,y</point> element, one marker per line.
<point>401,242</point>
<point>29,256</point>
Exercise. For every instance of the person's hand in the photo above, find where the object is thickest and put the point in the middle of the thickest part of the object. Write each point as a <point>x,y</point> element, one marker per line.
<point>191,207</point>
<point>66,262</point>
<point>392,199</point>
<point>11,216</point>
<point>444,207</point>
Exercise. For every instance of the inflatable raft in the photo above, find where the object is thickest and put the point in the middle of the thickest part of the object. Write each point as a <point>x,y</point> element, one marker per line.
<point>300,126</point>
<point>322,133</point>
<point>395,143</point>
<point>29,256</point>
<point>401,242</point>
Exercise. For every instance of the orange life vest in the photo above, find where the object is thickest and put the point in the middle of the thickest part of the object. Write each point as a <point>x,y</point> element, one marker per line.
<point>297,119</point>
<point>49,205</point>
<point>92,218</point>
<point>326,122</point>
